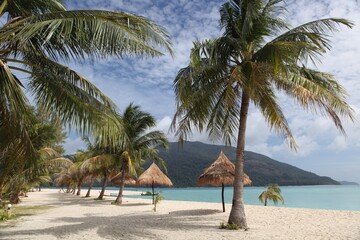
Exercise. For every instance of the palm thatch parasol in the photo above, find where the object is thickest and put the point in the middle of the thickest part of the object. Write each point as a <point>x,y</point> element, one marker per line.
<point>219,173</point>
<point>116,179</point>
<point>153,176</point>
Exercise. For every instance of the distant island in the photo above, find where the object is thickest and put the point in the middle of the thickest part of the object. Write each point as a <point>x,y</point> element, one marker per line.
<point>348,183</point>
<point>186,163</point>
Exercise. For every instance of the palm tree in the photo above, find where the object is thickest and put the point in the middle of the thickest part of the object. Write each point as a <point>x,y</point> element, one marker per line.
<point>34,174</point>
<point>226,74</point>
<point>273,192</point>
<point>36,37</point>
<point>140,143</point>
<point>101,165</point>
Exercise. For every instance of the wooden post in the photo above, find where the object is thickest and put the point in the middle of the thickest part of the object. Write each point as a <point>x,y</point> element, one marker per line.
<point>222,196</point>
<point>152,185</point>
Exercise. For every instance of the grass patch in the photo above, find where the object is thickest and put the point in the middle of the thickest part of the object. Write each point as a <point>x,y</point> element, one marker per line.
<point>229,226</point>
<point>8,219</point>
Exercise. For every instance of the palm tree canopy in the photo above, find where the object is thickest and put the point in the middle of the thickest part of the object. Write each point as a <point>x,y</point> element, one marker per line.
<point>273,192</point>
<point>133,148</point>
<point>39,34</point>
<point>241,63</point>
<point>141,143</point>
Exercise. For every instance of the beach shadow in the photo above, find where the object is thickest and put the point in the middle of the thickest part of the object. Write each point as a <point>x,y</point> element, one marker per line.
<point>133,204</point>
<point>195,212</point>
<point>135,225</point>
<point>119,227</point>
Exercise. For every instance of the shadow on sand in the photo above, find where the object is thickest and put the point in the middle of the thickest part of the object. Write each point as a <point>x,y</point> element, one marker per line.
<point>128,226</point>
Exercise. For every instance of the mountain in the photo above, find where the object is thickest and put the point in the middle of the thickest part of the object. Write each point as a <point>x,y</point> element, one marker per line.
<point>348,183</point>
<point>185,164</point>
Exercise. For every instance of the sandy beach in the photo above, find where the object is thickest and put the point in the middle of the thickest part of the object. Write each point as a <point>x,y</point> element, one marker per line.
<point>75,217</point>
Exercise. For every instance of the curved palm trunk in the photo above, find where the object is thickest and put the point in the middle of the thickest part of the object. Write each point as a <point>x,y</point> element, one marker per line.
<point>119,197</point>
<point>237,214</point>
<point>79,187</point>
<point>89,189</point>
<point>101,196</point>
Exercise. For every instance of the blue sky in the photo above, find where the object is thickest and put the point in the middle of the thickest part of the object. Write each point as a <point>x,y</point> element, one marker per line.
<point>148,82</point>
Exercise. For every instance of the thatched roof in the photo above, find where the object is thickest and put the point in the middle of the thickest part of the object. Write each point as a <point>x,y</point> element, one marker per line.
<point>153,175</point>
<point>116,179</point>
<point>222,171</point>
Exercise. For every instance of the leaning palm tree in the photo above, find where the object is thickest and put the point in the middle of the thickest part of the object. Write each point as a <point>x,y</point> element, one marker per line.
<point>101,165</point>
<point>227,74</point>
<point>140,144</point>
<point>36,37</point>
<point>34,174</point>
<point>273,193</point>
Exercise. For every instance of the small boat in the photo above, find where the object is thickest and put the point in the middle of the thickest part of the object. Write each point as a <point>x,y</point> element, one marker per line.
<point>149,194</point>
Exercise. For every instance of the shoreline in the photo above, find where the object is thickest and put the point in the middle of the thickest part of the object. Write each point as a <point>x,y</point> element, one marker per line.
<point>76,217</point>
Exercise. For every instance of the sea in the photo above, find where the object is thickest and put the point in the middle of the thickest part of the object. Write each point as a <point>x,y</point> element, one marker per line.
<point>343,197</point>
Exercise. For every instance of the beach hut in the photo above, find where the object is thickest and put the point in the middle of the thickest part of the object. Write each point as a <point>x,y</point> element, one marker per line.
<point>220,173</point>
<point>153,176</point>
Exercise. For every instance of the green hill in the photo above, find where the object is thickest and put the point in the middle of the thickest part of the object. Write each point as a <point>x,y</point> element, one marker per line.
<point>185,164</point>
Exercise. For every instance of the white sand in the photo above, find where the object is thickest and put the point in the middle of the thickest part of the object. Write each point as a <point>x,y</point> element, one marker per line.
<point>76,217</point>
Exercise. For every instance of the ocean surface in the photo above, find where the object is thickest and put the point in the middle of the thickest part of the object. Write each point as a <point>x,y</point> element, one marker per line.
<point>320,197</point>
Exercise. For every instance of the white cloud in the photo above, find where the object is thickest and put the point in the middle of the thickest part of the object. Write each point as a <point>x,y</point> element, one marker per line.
<point>148,82</point>
<point>73,144</point>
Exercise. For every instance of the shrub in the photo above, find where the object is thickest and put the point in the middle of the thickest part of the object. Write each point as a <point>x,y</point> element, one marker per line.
<point>229,226</point>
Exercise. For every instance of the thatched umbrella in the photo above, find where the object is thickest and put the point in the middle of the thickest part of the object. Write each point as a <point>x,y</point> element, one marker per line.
<point>219,173</point>
<point>117,180</point>
<point>154,176</point>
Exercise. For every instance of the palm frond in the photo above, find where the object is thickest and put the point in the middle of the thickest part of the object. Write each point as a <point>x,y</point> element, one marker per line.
<point>87,33</point>
<point>314,36</point>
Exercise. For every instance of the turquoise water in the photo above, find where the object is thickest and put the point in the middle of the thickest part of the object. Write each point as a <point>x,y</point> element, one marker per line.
<point>320,197</point>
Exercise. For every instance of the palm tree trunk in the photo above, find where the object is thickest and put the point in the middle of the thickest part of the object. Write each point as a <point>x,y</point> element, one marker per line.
<point>79,187</point>
<point>101,196</point>
<point>222,196</point>
<point>90,186</point>
<point>237,214</point>
<point>1,191</point>
<point>119,197</point>
<point>14,198</point>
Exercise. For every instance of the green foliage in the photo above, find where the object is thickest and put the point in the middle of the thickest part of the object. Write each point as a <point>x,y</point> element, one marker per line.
<point>20,211</point>
<point>133,148</point>
<point>19,173</point>
<point>229,226</point>
<point>5,215</point>
<point>158,198</point>
<point>273,193</point>
<point>36,37</point>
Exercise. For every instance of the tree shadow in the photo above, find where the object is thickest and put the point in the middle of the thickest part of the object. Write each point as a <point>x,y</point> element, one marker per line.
<point>130,226</point>
<point>195,212</point>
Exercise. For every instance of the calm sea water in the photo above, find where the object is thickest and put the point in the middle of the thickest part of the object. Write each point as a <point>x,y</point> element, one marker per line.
<point>321,197</point>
